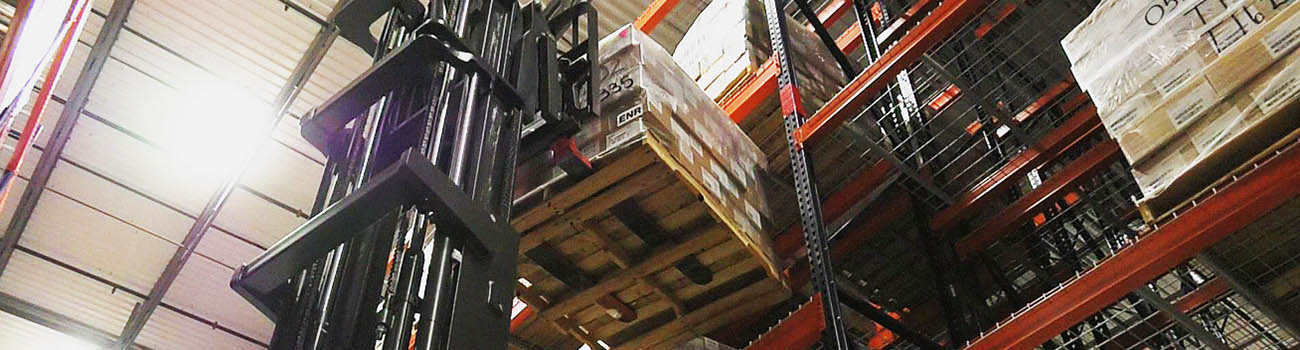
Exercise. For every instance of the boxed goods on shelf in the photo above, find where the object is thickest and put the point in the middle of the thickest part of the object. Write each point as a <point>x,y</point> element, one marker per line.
<point>1258,114</point>
<point>725,48</point>
<point>1188,89</point>
<point>729,41</point>
<point>1156,85</point>
<point>674,181</point>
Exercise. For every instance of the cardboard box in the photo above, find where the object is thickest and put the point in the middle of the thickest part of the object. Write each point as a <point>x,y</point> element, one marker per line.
<point>646,94</point>
<point>1210,70</point>
<point>1254,117</point>
<point>729,41</point>
<point>1182,42</point>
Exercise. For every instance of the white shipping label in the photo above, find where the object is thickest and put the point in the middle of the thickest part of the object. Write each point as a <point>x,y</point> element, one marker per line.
<point>1283,38</point>
<point>711,184</point>
<point>1178,73</point>
<point>724,179</point>
<point>744,174</point>
<point>753,214</point>
<point>625,134</point>
<point>630,115</point>
<point>683,142</point>
<point>1185,110</point>
<point>1230,29</point>
<point>1120,121</point>
<point>1207,137</point>
<point>1282,90</point>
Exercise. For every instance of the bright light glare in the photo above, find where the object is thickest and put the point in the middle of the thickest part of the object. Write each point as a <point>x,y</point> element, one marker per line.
<point>212,128</point>
<point>65,342</point>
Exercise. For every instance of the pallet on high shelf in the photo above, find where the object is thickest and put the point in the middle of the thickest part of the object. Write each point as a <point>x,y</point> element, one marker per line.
<point>577,223</point>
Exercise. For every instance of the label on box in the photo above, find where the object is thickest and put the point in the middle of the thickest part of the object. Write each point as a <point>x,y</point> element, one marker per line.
<point>630,115</point>
<point>625,134</point>
<point>1198,100</point>
<point>724,179</point>
<point>1283,38</point>
<point>744,175</point>
<point>753,214</point>
<point>683,142</point>
<point>1208,136</point>
<point>711,184</point>
<point>1130,112</point>
<point>1282,90</point>
<point>1178,74</point>
<point>1232,28</point>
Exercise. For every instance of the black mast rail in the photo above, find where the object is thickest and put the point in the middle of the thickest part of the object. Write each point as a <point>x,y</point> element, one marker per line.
<point>409,245</point>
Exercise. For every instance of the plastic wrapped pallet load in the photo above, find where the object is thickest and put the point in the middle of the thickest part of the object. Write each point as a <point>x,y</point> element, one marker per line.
<point>644,92</point>
<point>674,181</point>
<point>723,49</point>
<point>729,41</point>
<point>1181,89</point>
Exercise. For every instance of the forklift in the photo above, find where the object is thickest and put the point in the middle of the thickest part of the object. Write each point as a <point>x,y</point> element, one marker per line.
<point>409,244</point>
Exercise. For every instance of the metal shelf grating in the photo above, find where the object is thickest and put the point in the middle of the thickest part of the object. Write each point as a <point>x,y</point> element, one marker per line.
<point>974,101</point>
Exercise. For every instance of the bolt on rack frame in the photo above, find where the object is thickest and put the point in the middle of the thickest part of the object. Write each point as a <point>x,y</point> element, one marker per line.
<point>409,245</point>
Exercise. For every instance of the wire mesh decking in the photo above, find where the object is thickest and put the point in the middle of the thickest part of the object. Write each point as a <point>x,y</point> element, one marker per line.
<point>980,97</point>
<point>975,100</point>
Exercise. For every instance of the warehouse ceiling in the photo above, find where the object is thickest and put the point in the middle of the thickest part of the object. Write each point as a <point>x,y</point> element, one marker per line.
<point>186,91</point>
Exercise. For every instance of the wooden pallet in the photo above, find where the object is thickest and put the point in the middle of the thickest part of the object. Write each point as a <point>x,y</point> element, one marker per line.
<point>576,222</point>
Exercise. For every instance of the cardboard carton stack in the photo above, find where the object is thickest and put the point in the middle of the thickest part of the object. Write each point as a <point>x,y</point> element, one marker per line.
<point>644,92</point>
<point>1188,87</point>
<point>688,184</point>
<point>728,43</point>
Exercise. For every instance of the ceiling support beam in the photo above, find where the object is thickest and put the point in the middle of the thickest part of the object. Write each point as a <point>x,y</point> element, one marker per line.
<point>1233,206</point>
<point>288,93</point>
<point>62,132</point>
<point>53,320</point>
<point>1265,303</point>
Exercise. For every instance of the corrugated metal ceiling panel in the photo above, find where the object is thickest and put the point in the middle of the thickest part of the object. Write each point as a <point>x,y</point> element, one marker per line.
<point>66,292</point>
<point>116,201</point>
<point>183,183</point>
<point>283,174</point>
<point>19,333</point>
<point>203,288</point>
<point>226,249</point>
<point>216,36</point>
<point>168,329</point>
<point>259,221</point>
<point>89,240</point>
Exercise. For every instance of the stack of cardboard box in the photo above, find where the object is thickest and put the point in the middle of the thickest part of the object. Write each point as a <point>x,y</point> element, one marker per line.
<point>1189,87</point>
<point>730,41</point>
<point>645,94</point>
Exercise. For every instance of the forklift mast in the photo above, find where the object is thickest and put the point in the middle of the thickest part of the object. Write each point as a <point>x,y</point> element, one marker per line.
<point>409,244</point>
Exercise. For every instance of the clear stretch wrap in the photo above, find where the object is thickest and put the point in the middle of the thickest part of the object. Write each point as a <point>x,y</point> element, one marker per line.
<point>643,93</point>
<point>1259,113</point>
<point>730,40</point>
<point>1155,67</point>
